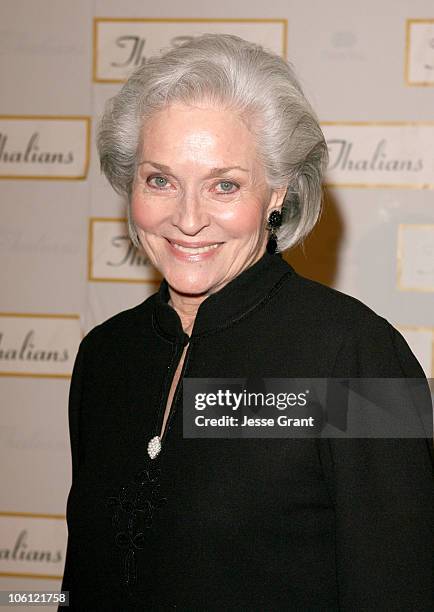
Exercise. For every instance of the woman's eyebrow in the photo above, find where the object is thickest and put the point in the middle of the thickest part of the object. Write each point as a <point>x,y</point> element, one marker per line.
<point>213,172</point>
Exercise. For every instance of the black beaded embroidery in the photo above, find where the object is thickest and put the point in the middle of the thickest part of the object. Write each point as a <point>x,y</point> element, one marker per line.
<point>133,510</point>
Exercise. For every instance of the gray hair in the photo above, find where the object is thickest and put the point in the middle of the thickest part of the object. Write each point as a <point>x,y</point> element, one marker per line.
<point>228,71</point>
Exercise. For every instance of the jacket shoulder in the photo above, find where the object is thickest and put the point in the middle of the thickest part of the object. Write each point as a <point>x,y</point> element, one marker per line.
<point>330,306</point>
<point>123,324</point>
<point>356,339</point>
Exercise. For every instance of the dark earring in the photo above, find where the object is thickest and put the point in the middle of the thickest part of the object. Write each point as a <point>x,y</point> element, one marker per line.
<point>274,221</point>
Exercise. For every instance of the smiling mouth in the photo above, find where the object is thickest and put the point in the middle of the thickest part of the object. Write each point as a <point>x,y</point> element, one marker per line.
<point>194,250</point>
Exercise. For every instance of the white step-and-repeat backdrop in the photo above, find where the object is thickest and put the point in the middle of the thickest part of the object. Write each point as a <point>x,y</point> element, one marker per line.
<point>66,261</point>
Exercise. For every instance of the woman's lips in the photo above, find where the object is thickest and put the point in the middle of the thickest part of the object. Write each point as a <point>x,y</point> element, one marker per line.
<point>193,251</point>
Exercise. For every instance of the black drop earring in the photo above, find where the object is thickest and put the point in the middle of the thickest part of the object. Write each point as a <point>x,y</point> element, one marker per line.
<point>274,221</point>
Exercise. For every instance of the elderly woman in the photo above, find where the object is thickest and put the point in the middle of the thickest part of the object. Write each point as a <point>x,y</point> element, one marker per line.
<point>221,158</point>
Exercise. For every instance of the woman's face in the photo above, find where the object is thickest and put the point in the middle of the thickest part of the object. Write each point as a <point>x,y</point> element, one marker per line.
<point>200,201</point>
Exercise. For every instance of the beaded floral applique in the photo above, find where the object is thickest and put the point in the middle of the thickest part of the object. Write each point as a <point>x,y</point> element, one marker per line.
<point>133,511</point>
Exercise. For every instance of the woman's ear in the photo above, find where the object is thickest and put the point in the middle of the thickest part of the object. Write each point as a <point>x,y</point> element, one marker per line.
<point>277,198</point>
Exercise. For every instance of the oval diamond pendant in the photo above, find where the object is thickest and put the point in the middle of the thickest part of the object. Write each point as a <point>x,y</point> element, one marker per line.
<point>154,447</point>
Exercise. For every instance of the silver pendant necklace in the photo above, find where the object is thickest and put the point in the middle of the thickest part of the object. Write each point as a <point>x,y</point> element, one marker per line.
<point>154,446</point>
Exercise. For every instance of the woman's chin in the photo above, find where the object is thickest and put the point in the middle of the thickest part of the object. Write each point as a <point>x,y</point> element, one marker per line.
<point>190,287</point>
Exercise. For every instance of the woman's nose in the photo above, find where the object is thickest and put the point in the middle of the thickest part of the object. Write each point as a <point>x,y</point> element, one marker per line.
<point>190,214</point>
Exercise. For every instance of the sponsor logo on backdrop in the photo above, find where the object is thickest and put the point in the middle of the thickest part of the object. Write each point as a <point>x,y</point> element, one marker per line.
<point>343,46</point>
<point>415,257</point>
<point>421,341</point>
<point>38,345</point>
<point>38,147</point>
<point>35,436</point>
<point>375,154</point>
<point>32,545</point>
<point>121,45</point>
<point>419,59</point>
<point>27,238</point>
<point>112,256</point>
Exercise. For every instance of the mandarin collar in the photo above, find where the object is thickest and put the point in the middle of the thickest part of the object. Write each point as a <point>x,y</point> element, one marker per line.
<point>227,304</point>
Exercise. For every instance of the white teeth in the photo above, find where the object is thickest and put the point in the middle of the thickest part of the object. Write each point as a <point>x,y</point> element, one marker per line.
<point>195,250</point>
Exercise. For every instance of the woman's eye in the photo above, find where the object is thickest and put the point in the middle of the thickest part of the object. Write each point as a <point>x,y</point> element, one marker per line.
<point>227,187</point>
<point>159,181</point>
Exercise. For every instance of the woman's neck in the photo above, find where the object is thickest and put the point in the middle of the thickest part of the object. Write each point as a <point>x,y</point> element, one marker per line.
<point>186,306</point>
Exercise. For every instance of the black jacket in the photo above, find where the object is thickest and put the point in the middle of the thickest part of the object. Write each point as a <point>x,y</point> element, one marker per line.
<point>242,524</point>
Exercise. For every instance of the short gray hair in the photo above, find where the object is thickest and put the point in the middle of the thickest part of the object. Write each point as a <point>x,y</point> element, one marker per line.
<point>228,71</point>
